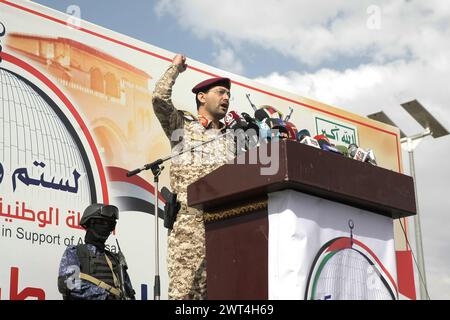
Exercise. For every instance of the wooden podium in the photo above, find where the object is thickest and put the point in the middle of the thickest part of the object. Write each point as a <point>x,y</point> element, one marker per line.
<point>235,201</point>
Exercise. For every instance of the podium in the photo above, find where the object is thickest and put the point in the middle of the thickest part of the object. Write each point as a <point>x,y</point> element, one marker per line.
<point>264,232</point>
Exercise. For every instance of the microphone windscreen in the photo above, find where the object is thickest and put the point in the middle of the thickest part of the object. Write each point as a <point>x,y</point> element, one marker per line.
<point>276,124</point>
<point>267,111</point>
<point>292,130</point>
<point>360,155</point>
<point>342,149</point>
<point>331,148</point>
<point>310,142</point>
<point>352,148</point>
<point>322,137</point>
<point>261,115</point>
<point>371,157</point>
<point>249,120</point>
<point>302,134</point>
<point>357,153</point>
<point>231,119</point>
<point>247,117</point>
<point>322,143</point>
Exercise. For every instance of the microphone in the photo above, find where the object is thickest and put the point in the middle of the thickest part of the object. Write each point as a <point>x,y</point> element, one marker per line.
<point>261,115</point>
<point>303,136</point>
<point>310,142</point>
<point>252,130</point>
<point>322,143</point>
<point>251,122</point>
<point>342,149</point>
<point>357,153</point>
<point>262,129</point>
<point>267,112</point>
<point>331,148</point>
<point>292,130</point>
<point>326,145</point>
<point>363,155</point>
<point>153,166</point>
<point>322,137</point>
<point>277,124</point>
<point>233,121</point>
<point>371,157</point>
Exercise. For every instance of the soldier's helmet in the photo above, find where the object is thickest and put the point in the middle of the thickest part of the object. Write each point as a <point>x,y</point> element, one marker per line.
<point>99,211</point>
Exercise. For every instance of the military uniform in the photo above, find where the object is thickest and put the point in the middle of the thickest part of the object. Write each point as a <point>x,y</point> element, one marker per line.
<point>73,286</point>
<point>89,271</point>
<point>186,243</point>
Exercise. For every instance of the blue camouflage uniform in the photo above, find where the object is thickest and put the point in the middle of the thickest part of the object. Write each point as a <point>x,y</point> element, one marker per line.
<point>80,289</point>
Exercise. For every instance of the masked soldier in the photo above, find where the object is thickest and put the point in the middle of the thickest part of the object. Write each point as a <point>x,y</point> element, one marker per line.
<point>89,271</point>
<point>186,243</point>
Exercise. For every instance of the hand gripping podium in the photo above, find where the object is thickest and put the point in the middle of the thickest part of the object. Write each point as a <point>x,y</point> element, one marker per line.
<point>320,227</point>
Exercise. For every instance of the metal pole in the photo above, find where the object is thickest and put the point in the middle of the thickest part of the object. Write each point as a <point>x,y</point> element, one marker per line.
<point>418,234</point>
<point>157,287</point>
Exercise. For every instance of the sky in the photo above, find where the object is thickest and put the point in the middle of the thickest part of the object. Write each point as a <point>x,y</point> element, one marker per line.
<point>361,56</point>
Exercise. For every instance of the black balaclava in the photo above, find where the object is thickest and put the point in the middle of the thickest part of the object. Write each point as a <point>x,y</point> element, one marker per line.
<point>98,232</point>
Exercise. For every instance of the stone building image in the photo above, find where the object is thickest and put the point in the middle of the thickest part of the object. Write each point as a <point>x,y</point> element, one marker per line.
<point>112,95</point>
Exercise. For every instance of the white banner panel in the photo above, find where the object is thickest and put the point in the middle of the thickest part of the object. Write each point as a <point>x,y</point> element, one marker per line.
<point>321,250</point>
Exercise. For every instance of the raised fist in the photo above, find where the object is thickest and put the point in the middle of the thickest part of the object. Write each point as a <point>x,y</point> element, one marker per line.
<point>180,62</point>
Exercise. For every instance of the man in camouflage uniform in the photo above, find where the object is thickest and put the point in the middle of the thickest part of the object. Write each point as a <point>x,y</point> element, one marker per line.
<point>186,244</point>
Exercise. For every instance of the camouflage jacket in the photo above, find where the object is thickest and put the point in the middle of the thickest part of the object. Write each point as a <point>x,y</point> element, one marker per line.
<point>184,131</point>
<point>76,288</point>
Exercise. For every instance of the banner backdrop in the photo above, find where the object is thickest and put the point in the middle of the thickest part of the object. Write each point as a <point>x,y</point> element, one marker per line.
<point>323,250</point>
<point>76,115</point>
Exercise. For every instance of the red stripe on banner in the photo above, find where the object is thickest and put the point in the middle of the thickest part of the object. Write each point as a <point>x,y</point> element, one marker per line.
<point>120,175</point>
<point>203,71</point>
<point>405,274</point>
<point>342,243</point>
<point>73,111</point>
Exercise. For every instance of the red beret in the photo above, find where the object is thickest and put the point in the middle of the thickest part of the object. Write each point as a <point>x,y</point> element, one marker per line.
<point>213,82</point>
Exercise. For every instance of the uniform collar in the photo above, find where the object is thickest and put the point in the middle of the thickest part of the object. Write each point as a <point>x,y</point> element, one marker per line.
<point>207,123</point>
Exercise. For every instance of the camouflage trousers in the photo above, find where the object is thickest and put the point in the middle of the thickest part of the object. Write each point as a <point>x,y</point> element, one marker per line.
<point>186,261</point>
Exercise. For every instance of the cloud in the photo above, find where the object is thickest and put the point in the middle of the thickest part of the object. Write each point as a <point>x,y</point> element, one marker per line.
<point>371,87</point>
<point>317,33</point>
<point>226,59</point>
<point>441,284</point>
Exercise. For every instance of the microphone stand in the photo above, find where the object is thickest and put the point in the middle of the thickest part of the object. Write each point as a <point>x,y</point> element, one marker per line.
<point>156,170</point>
